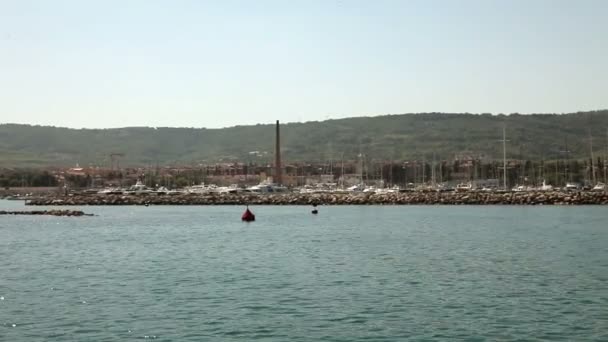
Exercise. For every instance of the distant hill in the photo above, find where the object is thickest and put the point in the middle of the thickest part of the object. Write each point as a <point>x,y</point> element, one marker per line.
<point>406,136</point>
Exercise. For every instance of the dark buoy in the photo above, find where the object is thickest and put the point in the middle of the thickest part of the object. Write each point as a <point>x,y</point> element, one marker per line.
<point>248,216</point>
<point>314,210</point>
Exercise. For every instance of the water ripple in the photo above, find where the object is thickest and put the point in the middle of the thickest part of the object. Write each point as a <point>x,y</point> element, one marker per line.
<point>352,274</point>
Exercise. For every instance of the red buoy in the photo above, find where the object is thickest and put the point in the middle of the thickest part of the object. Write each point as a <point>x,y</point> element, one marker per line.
<point>248,216</point>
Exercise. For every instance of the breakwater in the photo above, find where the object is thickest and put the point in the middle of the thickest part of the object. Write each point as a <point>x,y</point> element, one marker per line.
<point>421,198</point>
<point>46,212</point>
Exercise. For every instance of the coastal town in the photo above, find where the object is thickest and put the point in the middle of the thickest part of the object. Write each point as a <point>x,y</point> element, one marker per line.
<point>467,178</point>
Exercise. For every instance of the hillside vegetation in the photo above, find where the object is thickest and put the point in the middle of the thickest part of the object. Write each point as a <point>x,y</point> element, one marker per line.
<point>407,136</point>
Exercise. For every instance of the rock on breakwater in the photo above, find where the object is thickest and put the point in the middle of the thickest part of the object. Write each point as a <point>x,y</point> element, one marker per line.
<point>421,198</point>
<point>46,212</point>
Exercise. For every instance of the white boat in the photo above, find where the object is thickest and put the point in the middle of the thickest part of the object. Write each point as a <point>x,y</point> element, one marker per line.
<point>309,189</point>
<point>111,191</point>
<point>599,187</point>
<point>356,188</point>
<point>522,188</point>
<point>164,191</point>
<point>232,189</point>
<point>572,186</point>
<point>318,188</point>
<point>392,190</point>
<point>267,188</point>
<point>138,189</point>
<point>202,189</point>
<point>464,187</point>
<point>545,187</point>
<point>371,189</point>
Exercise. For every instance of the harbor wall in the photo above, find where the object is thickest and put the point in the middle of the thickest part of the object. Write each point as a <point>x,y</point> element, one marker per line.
<point>408,198</point>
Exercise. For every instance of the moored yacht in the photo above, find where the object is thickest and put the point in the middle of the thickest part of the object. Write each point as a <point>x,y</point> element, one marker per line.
<point>464,187</point>
<point>164,191</point>
<point>202,189</point>
<point>356,188</point>
<point>570,186</point>
<point>267,188</point>
<point>394,189</point>
<point>370,188</point>
<point>545,187</point>
<point>232,189</point>
<point>111,191</point>
<point>138,189</point>
<point>521,188</point>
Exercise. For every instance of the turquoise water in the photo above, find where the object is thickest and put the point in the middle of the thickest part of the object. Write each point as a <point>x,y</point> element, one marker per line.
<point>370,273</point>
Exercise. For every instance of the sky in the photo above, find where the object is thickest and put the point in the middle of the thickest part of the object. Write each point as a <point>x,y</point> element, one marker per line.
<point>117,63</point>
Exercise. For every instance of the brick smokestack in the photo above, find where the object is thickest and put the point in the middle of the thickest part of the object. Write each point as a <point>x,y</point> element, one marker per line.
<point>278,177</point>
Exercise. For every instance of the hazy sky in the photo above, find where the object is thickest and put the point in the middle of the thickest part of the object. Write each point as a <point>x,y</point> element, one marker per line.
<point>222,63</point>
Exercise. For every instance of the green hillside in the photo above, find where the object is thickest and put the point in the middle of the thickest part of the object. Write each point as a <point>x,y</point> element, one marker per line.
<point>406,136</point>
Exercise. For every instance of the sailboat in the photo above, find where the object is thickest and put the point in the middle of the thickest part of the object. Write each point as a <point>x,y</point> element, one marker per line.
<point>545,187</point>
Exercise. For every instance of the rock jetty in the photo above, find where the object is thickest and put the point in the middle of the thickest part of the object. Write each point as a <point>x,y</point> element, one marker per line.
<point>419,198</point>
<point>46,212</point>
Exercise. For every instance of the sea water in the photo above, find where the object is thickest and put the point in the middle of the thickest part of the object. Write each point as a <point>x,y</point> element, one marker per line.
<point>350,273</point>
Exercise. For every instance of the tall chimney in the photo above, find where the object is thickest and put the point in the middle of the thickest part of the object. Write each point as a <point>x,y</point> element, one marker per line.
<point>277,157</point>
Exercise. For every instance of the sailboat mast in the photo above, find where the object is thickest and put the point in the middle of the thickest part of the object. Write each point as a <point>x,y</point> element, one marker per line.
<point>504,157</point>
<point>606,159</point>
<point>568,174</point>
<point>433,171</point>
<point>440,171</point>
<point>361,168</point>
<point>423,169</point>
<point>391,173</point>
<point>330,168</point>
<point>591,152</point>
<point>557,180</point>
<point>342,171</point>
